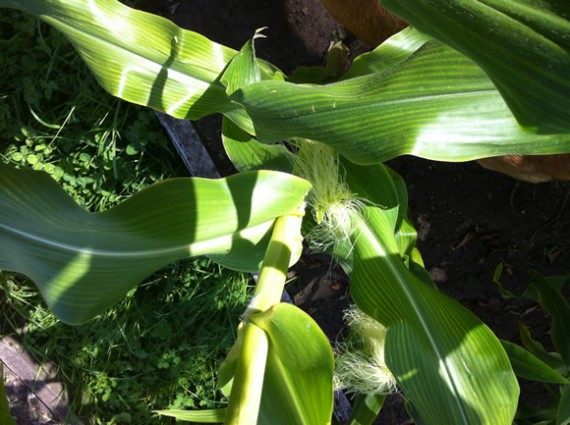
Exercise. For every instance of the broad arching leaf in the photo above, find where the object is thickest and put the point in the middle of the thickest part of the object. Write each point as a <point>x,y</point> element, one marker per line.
<point>213,416</point>
<point>553,300</point>
<point>84,262</point>
<point>434,103</point>
<point>450,366</point>
<point>244,151</point>
<point>524,46</point>
<point>528,366</point>
<point>143,58</point>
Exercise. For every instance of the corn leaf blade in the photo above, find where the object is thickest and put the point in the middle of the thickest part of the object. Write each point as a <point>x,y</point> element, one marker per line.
<point>563,413</point>
<point>433,103</point>
<point>528,366</point>
<point>212,416</point>
<point>298,380</point>
<point>449,365</point>
<point>553,301</point>
<point>366,409</point>
<point>526,49</point>
<point>139,57</point>
<point>248,154</point>
<point>244,151</point>
<point>554,360</point>
<point>84,262</point>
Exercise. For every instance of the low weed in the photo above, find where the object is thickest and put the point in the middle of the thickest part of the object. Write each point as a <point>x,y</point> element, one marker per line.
<point>159,348</point>
<point>55,117</point>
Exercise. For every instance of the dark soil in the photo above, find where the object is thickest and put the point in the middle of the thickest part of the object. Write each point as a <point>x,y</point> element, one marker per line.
<point>469,220</point>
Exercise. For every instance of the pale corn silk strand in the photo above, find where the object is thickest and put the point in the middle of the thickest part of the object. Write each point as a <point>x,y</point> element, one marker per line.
<point>360,364</point>
<point>334,205</point>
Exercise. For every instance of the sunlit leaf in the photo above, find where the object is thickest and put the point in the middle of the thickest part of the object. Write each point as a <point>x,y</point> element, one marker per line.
<point>139,57</point>
<point>366,409</point>
<point>84,262</point>
<point>553,301</point>
<point>523,45</point>
<point>526,365</point>
<point>450,366</point>
<point>297,387</point>
<point>247,154</point>
<point>433,103</point>
<point>554,360</point>
<point>213,416</point>
<point>144,58</point>
<point>243,150</point>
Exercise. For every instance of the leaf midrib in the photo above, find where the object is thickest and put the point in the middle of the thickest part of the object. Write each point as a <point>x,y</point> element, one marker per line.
<point>395,270</point>
<point>143,253</point>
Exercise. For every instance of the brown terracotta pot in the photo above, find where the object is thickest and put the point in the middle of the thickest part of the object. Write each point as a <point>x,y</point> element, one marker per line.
<point>535,169</point>
<point>366,19</point>
<point>373,24</point>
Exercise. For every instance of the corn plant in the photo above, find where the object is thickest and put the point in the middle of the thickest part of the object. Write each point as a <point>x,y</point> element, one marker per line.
<point>534,362</point>
<point>432,91</point>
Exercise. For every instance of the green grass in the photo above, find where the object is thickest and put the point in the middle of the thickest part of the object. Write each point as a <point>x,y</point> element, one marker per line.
<point>161,346</point>
<point>54,117</point>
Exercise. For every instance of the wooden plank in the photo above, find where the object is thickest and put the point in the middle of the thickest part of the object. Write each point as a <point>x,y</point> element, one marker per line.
<point>40,380</point>
<point>189,146</point>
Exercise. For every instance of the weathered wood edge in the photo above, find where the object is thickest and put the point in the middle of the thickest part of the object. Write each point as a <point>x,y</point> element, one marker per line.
<point>39,379</point>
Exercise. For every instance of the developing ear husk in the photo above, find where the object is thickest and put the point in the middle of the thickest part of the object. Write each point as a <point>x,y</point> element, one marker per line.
<point>360,365</point>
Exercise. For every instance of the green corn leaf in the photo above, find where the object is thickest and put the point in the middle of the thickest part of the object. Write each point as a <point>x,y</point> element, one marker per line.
<point>84,262</point>
<point>213,416</point>
<point>553,301</point>
<point>390,53</point>
<point>366,409</point>
<point>146,59</point>
<point>5,416</point>
<point>451,367</point>
<point>139,57</point>
<point>448,363</point>
<point>243,68</point>
<point>248,154</point>
<point>297,387</point>
<point>244,151</point>
<point>554,360</point>
<point>434,103</point>
<point>527,366</point>
<point>563,414</point>
<point>390,191</point>
<point>523,45</point>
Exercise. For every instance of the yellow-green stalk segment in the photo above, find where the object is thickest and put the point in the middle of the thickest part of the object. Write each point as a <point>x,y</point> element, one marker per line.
<point>334,207</point>
<point>285,244</point>
<point>245,396</point>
